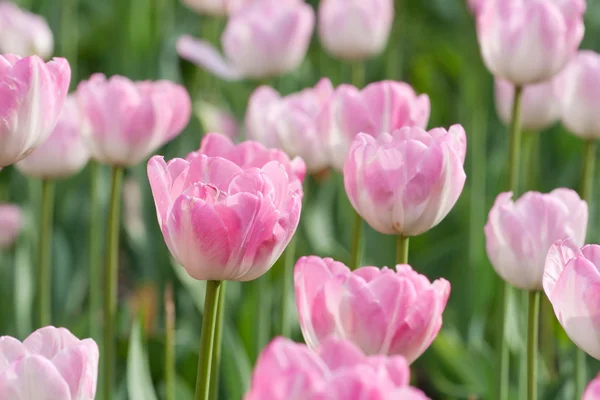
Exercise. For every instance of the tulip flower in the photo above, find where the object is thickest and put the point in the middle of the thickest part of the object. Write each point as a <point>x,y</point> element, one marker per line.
<point>354,29</point>
<point>10,224</point>
<point>216,119</point>
<point>540,104</point>
<point>290,122</point>
<point>51,364</point>
<point>475,5</point>
<point>380,107</point>
<point>64,153</point>
<point>405,183</point>
<point>571,279</point>
<point>263,39</point>
<point>33,93</point>
<point>382,311</point>
<point>592,392</point>
<point>24,33</point>
<point>529,41</point>
<point>519,234</point>
<point>338,371</point>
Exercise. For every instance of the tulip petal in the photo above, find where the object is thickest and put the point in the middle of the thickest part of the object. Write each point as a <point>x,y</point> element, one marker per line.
<point>33,377</point>
<point>203,54</point>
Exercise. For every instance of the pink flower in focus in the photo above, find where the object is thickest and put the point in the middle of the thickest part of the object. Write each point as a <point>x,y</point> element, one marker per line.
<point>382,311</point>
<point>337,371</point>
<point>32,93</point>
<point>529,41</point>
<point>290,122</point>
<point>51,364</point>
<point>380,107</point>
<point>217,119</point>
<point>592,391</point>
<point>64,153</point>
<point>125,121</point>
<point>24,33</point>
<point>10,224</point>
<point>572,284</point>
<point>519,234</point>
<point>263,39</point>
<point>226,212</point>
<point>407,182</point>
<point>355,29</point>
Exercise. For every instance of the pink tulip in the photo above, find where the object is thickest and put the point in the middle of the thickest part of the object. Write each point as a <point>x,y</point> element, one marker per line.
<point>64,153</point>
<point>572,283</point>
<point>24,33</point>
<point>263,39</point>
<point>127,121</point>
<point>380,107</point>
<point>10,224</point>
<point>290,122</point>
<point>215,7</point>
<point>592,392</point>
<point>382,311</point>
<point>226,219</point>
<point>405,183</point>
<point>32,94</point>
<point>476,5</point>
<point>355,29</point>
<point>581,94</point>
<point>519,234</point>
<point>540,104</point>
<point>338,371</point>
<point>216,119</point>
<point>529,41</point>
<point>51,364</point>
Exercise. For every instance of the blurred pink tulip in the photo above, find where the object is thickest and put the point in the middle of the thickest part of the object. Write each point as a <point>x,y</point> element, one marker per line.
<point>592,392</point>
<point>529,41</point>
<point>355,29</point>
<point>226,219</point>
<point>125,121</point>
<point>382,311</point>
<point>338,371</point>
<point>406,182</point>
<point>217,119</point>
<point>519,234</point>
<point>380,107</point>
<point>572,284</point>
<point>265,38</point>
<point>540,104</point>
<point>33,93</point>
<point>64,153</point>
<point>290,122</point>
<point>581,95</point>
<point>51,364</point>
<point>24,33</point>
<point>476,5</point>
<point>10,224</point>
<point>215,7</point>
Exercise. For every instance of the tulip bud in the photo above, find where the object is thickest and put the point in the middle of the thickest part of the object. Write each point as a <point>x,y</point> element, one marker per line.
<point>592,392</point>
<point>10,224</point>
<point>24,33</point>
<point>216,119</point>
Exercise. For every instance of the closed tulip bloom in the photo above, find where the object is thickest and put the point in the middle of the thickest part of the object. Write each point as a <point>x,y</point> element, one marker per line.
<point>24,33</point>
<point>540,104</point>
<point>290,122</point>
<point>519,234</point>
<point>337,371</point>
<point>529,41</point>
<point>33,94</point>
<point>406,182</point>
<point>572,283</point>
<point>217,119</point>
<point>51,364</point>
<point>380,107</point>
<point>10,224</point>
<point>125,121</point>
<point>265,38</point>
<point>592,391</point>
<point>355,29</point>
<point>64,153</point>
<point>382,311</point>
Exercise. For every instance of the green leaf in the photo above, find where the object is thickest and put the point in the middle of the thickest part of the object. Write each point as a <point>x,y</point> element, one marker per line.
<point>139,381</point>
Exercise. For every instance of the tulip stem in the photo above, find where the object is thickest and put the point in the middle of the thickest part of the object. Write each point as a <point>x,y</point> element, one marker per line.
<point>356,247</point>
<point>111,280</point>
<point>45,255</point>
<point>358,74</point>
<point>94,252</point>
<point>401,249</point>
<point>216,359</point>
<point>207,340</point>
<point>169,344</point>
<point>286,287</point>
<point>263,312</point>
<point>532,344</point>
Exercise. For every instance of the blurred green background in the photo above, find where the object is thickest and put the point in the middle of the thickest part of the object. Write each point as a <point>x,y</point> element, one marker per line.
<point>434,48</point>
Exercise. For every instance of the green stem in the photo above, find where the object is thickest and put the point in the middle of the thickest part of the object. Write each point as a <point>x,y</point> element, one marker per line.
<point>580,372</point>
<point>532,344</point>
<point>356,248</point>
<point>263,312</point>
<point>169,344</point>
<point>530,160</point>
<point>216,360</point>
<point>358,74</point>
<point>94,252</point>
<point>289,258</point>
<point>110,280</point>
<point>207,340</point>
<point>401,249</point>
<point>45,255</point>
